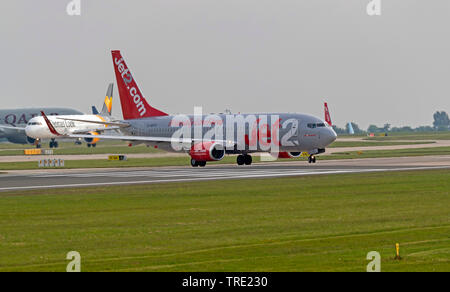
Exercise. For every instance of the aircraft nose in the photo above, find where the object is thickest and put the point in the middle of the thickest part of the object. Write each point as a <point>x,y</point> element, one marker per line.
<point>331,137</point>
<point>31,131</point>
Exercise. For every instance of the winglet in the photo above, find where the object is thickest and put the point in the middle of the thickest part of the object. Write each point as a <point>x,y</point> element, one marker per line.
<point>327,115</point>
<point>95,110</point>
<point>50,126</point>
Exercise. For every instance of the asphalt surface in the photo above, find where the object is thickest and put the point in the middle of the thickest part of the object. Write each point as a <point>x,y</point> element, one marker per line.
<point>50,179</point>
<point>24,158</point>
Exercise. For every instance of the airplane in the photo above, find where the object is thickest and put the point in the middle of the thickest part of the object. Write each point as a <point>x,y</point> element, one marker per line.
<point>14,121</point>
<point>71,124</point>
<point>246,134</point>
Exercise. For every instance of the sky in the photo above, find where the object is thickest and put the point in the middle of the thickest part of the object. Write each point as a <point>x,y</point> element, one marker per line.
<point>242,55</point>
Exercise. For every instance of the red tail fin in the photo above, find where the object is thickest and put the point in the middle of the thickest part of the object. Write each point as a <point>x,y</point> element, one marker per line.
<point>50,125</point>
<point>134,105</point>
<point>327,115</point>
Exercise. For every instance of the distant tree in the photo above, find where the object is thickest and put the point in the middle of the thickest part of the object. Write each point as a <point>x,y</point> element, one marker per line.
<point>424,129</point>
<point>373,129</point>
<point>441,120</point>
<point>338,130</point>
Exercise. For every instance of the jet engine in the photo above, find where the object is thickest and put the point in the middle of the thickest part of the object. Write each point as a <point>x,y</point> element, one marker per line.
<point>207,151</point>
<point>92,140</point>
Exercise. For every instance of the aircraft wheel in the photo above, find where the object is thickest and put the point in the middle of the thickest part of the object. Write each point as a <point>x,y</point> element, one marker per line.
<point>89,145</point>
<point>55,144</point>
<point>38,146</point>
<point>94,145</point>
<point>202,163</point>
<point>248,160</point>
<point>240,160</point>
<point>314,159</point>
<point>194,163</point>
<point>51,144</point>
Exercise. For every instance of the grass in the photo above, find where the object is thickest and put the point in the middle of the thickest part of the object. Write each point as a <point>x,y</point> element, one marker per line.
<point>67,148</point>
<point>445,135</point>
<point>318,223</point>
<point>183,161</point>
<point>339,144</point>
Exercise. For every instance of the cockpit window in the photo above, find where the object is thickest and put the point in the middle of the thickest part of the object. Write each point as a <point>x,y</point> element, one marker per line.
<point>316,125</point>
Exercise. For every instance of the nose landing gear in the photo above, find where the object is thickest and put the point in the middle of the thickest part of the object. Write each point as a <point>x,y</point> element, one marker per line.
<point>312,159</point>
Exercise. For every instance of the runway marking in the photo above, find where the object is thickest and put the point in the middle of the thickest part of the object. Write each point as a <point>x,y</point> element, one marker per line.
<point>215,177</point>
<point>169,173</point>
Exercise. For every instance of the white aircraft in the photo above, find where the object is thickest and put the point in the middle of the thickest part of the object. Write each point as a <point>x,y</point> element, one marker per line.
<point>92,125</point>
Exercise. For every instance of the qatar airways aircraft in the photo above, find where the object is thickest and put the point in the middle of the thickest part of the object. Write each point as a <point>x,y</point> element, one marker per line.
<point>210,137</point>
<point>14,121</point>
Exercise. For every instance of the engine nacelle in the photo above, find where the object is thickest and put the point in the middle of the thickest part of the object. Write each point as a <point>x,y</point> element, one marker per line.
<point>31,140</point>
<point>288,155</point>
<point>207,151</point>
<point>92,140</point>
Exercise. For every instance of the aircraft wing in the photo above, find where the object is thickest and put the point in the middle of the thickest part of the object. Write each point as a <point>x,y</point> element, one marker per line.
<point>135,138</point>
<point>18,129</point>
<point>152,139</point>
<point>96,130</point>
<point>120,125</point>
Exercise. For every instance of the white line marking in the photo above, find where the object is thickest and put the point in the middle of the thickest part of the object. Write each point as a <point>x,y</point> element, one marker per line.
<point>284,174</point>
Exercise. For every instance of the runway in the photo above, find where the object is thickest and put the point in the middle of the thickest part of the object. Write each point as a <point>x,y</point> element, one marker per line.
<point>35,180</point>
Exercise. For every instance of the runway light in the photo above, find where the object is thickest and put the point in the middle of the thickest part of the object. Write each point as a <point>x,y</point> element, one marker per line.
<point>397,250</point>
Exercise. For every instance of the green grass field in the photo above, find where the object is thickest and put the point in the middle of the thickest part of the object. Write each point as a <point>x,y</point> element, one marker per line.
<point>67,148</point>
<point>319,223</point>
<point>339,144</point>
<point>183,161</point>
<point>445,135</point>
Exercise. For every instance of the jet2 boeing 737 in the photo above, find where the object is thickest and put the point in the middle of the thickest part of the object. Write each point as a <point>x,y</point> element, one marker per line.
<point>210,137</point>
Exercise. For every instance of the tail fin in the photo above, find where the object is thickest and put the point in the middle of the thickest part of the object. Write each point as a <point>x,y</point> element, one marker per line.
<point>107,106</point>
<point>134,105</point>
<point>327,115</point>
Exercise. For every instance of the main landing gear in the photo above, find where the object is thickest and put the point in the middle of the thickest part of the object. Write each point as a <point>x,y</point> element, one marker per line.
<point>91,145</point>
<point>195,163</point>
<point>53,144</point>
<point>311,159</point>
<point>244,159</point>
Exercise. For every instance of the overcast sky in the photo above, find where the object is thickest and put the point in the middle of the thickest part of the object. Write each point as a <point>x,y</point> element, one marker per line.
<point>243,55</point>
